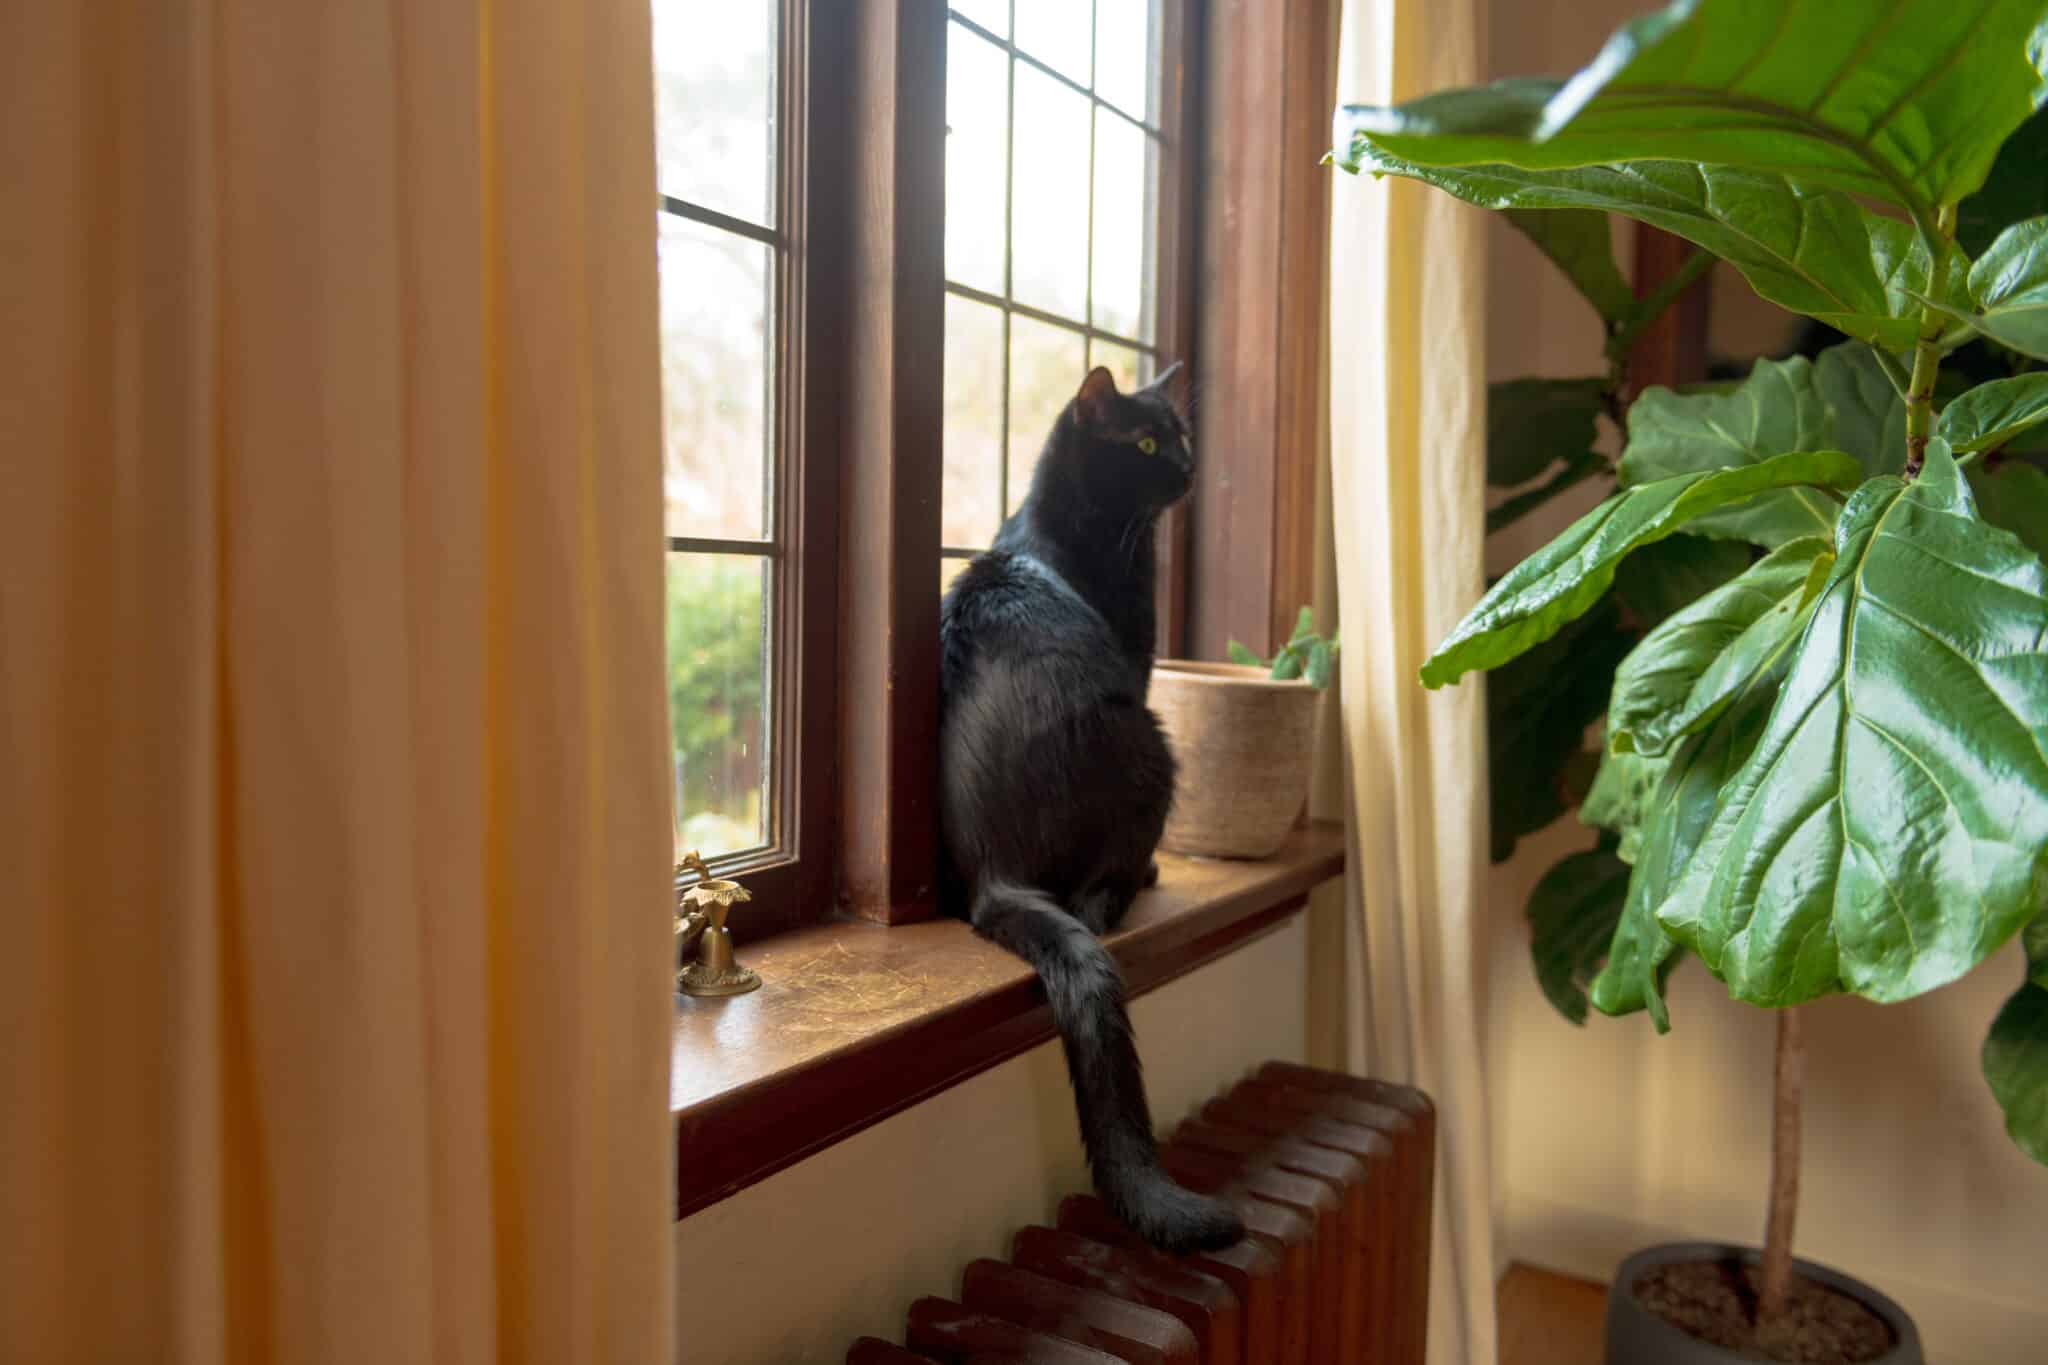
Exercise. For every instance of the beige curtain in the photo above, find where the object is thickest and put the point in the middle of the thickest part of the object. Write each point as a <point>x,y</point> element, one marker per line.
<point>1407,450</point>
<point>333,817</point>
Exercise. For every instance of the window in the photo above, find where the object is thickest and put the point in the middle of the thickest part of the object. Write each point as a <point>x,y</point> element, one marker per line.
<point>727,106</point>
<point>823,239</point>
<point>1053,155</point>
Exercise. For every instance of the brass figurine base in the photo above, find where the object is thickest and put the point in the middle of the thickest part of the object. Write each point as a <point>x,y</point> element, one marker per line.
<point>715,972</point>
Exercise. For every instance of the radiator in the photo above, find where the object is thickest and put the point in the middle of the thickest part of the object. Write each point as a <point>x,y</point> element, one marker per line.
<point>1333,1176</point>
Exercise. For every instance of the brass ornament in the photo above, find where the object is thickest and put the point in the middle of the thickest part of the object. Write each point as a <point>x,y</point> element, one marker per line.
<point>700,923</point>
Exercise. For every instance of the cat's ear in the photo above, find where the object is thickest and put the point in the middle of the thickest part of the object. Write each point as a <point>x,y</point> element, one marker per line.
<point>1168,392</point>
<point>1098,390</point>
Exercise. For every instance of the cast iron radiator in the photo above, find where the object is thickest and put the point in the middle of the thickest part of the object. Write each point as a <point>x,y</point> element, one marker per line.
<point>1333,1176</point>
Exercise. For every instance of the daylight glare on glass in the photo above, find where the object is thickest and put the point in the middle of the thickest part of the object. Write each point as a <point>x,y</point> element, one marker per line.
<point>1052,189</point>
<point>715,68</point>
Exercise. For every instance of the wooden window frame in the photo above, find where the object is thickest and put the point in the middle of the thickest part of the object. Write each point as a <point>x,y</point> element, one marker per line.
<point>793,874</point>
<point>1269,89</point>
<point>1242,245</point>
<point>863,98</point>
<point>1673,349</point>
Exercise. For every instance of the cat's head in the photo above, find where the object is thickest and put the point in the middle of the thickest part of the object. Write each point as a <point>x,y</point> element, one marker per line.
<point>1132,446</point>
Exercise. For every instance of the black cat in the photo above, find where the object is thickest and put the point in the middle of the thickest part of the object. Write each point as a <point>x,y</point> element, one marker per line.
<point>1054,779</point>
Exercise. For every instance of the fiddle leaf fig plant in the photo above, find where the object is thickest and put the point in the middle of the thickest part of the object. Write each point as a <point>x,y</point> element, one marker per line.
<point>1825,766</point>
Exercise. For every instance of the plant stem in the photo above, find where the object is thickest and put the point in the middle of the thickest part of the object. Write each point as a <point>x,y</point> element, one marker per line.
<point>1926,360</point>
<point>1788,1087</point>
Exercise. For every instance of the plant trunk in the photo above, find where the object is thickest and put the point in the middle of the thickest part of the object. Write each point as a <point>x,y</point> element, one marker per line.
<point>1926,359</point>
<point>1786,1092</point>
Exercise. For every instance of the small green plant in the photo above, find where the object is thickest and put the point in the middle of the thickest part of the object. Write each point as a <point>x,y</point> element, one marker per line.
<point>1826,759</point>
<point>1305,655</point>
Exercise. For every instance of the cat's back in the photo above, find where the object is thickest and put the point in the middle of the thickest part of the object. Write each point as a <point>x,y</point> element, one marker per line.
<point>1009,612</point>
<point>1052,772</point>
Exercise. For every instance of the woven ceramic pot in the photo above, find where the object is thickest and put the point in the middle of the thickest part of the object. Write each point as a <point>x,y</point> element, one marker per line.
<point>1635,1336</point>
<point>1243,743</point>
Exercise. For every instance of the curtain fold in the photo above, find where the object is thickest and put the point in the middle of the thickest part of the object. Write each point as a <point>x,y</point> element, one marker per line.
<point>1407,476</point>
<point>333,814</point>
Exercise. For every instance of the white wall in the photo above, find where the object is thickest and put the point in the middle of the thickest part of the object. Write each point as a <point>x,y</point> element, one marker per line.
<point>1608,1138</point>
<point>792,1269</point>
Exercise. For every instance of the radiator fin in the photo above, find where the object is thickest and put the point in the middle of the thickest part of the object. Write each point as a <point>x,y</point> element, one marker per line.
<point>1333,1175</point>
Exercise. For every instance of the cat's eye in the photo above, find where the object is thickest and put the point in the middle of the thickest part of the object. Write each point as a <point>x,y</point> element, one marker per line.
<point>1148,445</point>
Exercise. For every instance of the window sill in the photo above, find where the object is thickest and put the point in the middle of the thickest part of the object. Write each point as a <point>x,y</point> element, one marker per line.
<point>854,1022</point>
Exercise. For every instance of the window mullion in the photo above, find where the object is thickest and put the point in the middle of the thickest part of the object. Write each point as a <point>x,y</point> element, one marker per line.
<point>886,239</point>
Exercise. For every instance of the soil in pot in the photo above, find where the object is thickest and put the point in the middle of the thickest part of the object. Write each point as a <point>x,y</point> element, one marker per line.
<point>1716,1302</point>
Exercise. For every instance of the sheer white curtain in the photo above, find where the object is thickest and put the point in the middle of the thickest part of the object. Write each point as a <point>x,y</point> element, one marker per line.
<point>1407,464</point>
<point>333,812</point>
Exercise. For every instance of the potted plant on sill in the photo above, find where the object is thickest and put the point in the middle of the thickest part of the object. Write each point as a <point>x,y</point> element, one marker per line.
<point>1829,774</point>
<point>1241,734</point>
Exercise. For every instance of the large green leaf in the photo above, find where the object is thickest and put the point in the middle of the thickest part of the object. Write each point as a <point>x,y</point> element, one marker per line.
<point>1564,578</point>
<point>1580,244</point>
<point>2016,188</point>
<point>2010,284</point>
<point>1538,706</point>
<point>2016,1068</point>
<point>1687,670</point>
<point>1620,799</point>
<point>1899,254</point>
<point>1992,414</point>
<point>1681,810</point>
<point>2014,497</point>
<point>1904,100</point>
<point>1870,417</point>
<point>1805,249</point>
<point>1778,409</point>
<point>2016,1051</point>
<point>1572,914</point>
<point>1533,423</point>
<point>1669,575</point>
<point>1640,957</point>
<point>1891,828</point>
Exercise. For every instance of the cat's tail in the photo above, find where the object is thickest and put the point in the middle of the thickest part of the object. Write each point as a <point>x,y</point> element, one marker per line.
<point>1087,995</point>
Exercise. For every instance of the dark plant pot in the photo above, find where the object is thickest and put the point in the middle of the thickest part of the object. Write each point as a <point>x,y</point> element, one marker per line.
<point>1637,1337</point>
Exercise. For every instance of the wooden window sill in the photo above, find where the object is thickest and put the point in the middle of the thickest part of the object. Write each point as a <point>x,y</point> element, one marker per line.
<point>855,1022</point>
